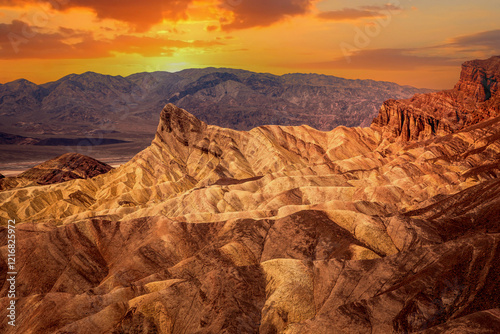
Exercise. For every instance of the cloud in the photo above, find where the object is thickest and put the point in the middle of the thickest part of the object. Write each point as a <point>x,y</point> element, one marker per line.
<point>211,28</point>
<point>451,53</point>
<point>359,13</point>
<point>482,44</point>
<point>262,13</point>
<point>485,39</point>
<point>140,15</point>
<point>18,40</point>
<point>388,60</point>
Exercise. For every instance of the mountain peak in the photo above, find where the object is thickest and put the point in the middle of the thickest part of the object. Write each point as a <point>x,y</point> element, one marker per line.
<point>480,78</point>
<point>180,123</point>
<point>22,84</point>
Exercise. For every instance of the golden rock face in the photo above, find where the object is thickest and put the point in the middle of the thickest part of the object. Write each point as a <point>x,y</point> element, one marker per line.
<point>273,230</point>
<point>269,172</point>
<point>200,173</point>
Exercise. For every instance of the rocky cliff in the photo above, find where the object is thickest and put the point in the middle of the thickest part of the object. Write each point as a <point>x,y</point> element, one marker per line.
<point>474,98</point>
<point>480,79</point>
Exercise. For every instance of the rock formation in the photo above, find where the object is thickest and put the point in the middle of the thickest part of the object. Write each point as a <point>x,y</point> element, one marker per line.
<point>66,167</point>
<point>480,79</point>
<point>273,230</point>
<point>474,98</point>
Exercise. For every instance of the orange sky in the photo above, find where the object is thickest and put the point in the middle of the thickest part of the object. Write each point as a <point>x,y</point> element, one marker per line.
<point>419,42</point>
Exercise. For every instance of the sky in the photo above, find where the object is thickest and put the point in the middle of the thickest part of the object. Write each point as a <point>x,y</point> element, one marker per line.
<point>411,42</point>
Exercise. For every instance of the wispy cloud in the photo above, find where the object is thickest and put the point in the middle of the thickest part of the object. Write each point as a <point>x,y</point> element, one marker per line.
<point>452,52</point>
<point>486,39</point>
<point>359,13</point>
<point>387,60</point>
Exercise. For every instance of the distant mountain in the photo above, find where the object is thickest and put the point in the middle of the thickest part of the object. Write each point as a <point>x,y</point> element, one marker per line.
<point>238,99</point>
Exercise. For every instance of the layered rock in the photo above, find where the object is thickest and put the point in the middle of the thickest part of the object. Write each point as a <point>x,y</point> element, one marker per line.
<point>289,168</point>
<point>480,79</point>
<point>273,230</point>
<point>66,167</point>
<point>293,275</point>
<point>63,168</point>
<point>473,99</point>
<point>315,232</point>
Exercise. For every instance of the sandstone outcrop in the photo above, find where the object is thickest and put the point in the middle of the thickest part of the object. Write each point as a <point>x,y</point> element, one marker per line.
<point>474,98</point>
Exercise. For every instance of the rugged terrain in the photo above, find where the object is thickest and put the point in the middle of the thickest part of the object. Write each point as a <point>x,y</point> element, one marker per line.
<point>66,167</point>
<point>102,104</point>
<point>474,98</point>
<point>280,229</point>
<point>103,111</point>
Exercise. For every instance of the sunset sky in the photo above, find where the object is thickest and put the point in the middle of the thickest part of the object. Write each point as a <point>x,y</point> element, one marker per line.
<point>415,42</point>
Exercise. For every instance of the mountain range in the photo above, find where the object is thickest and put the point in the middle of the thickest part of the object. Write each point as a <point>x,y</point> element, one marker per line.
<point>392,228</point>
<point>241,100</point>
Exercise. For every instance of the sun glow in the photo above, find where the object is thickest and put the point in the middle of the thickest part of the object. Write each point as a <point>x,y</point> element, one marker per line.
<point>384,41</point>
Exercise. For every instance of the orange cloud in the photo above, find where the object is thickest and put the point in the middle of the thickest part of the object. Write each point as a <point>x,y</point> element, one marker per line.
<point>211,28</point>
<point>140,15</point>
<point>262,13</point>
<point>358,13</point>
<point>18,40</point>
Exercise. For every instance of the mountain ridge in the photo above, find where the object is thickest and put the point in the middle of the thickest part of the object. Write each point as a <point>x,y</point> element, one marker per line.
<point>238,99</point>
